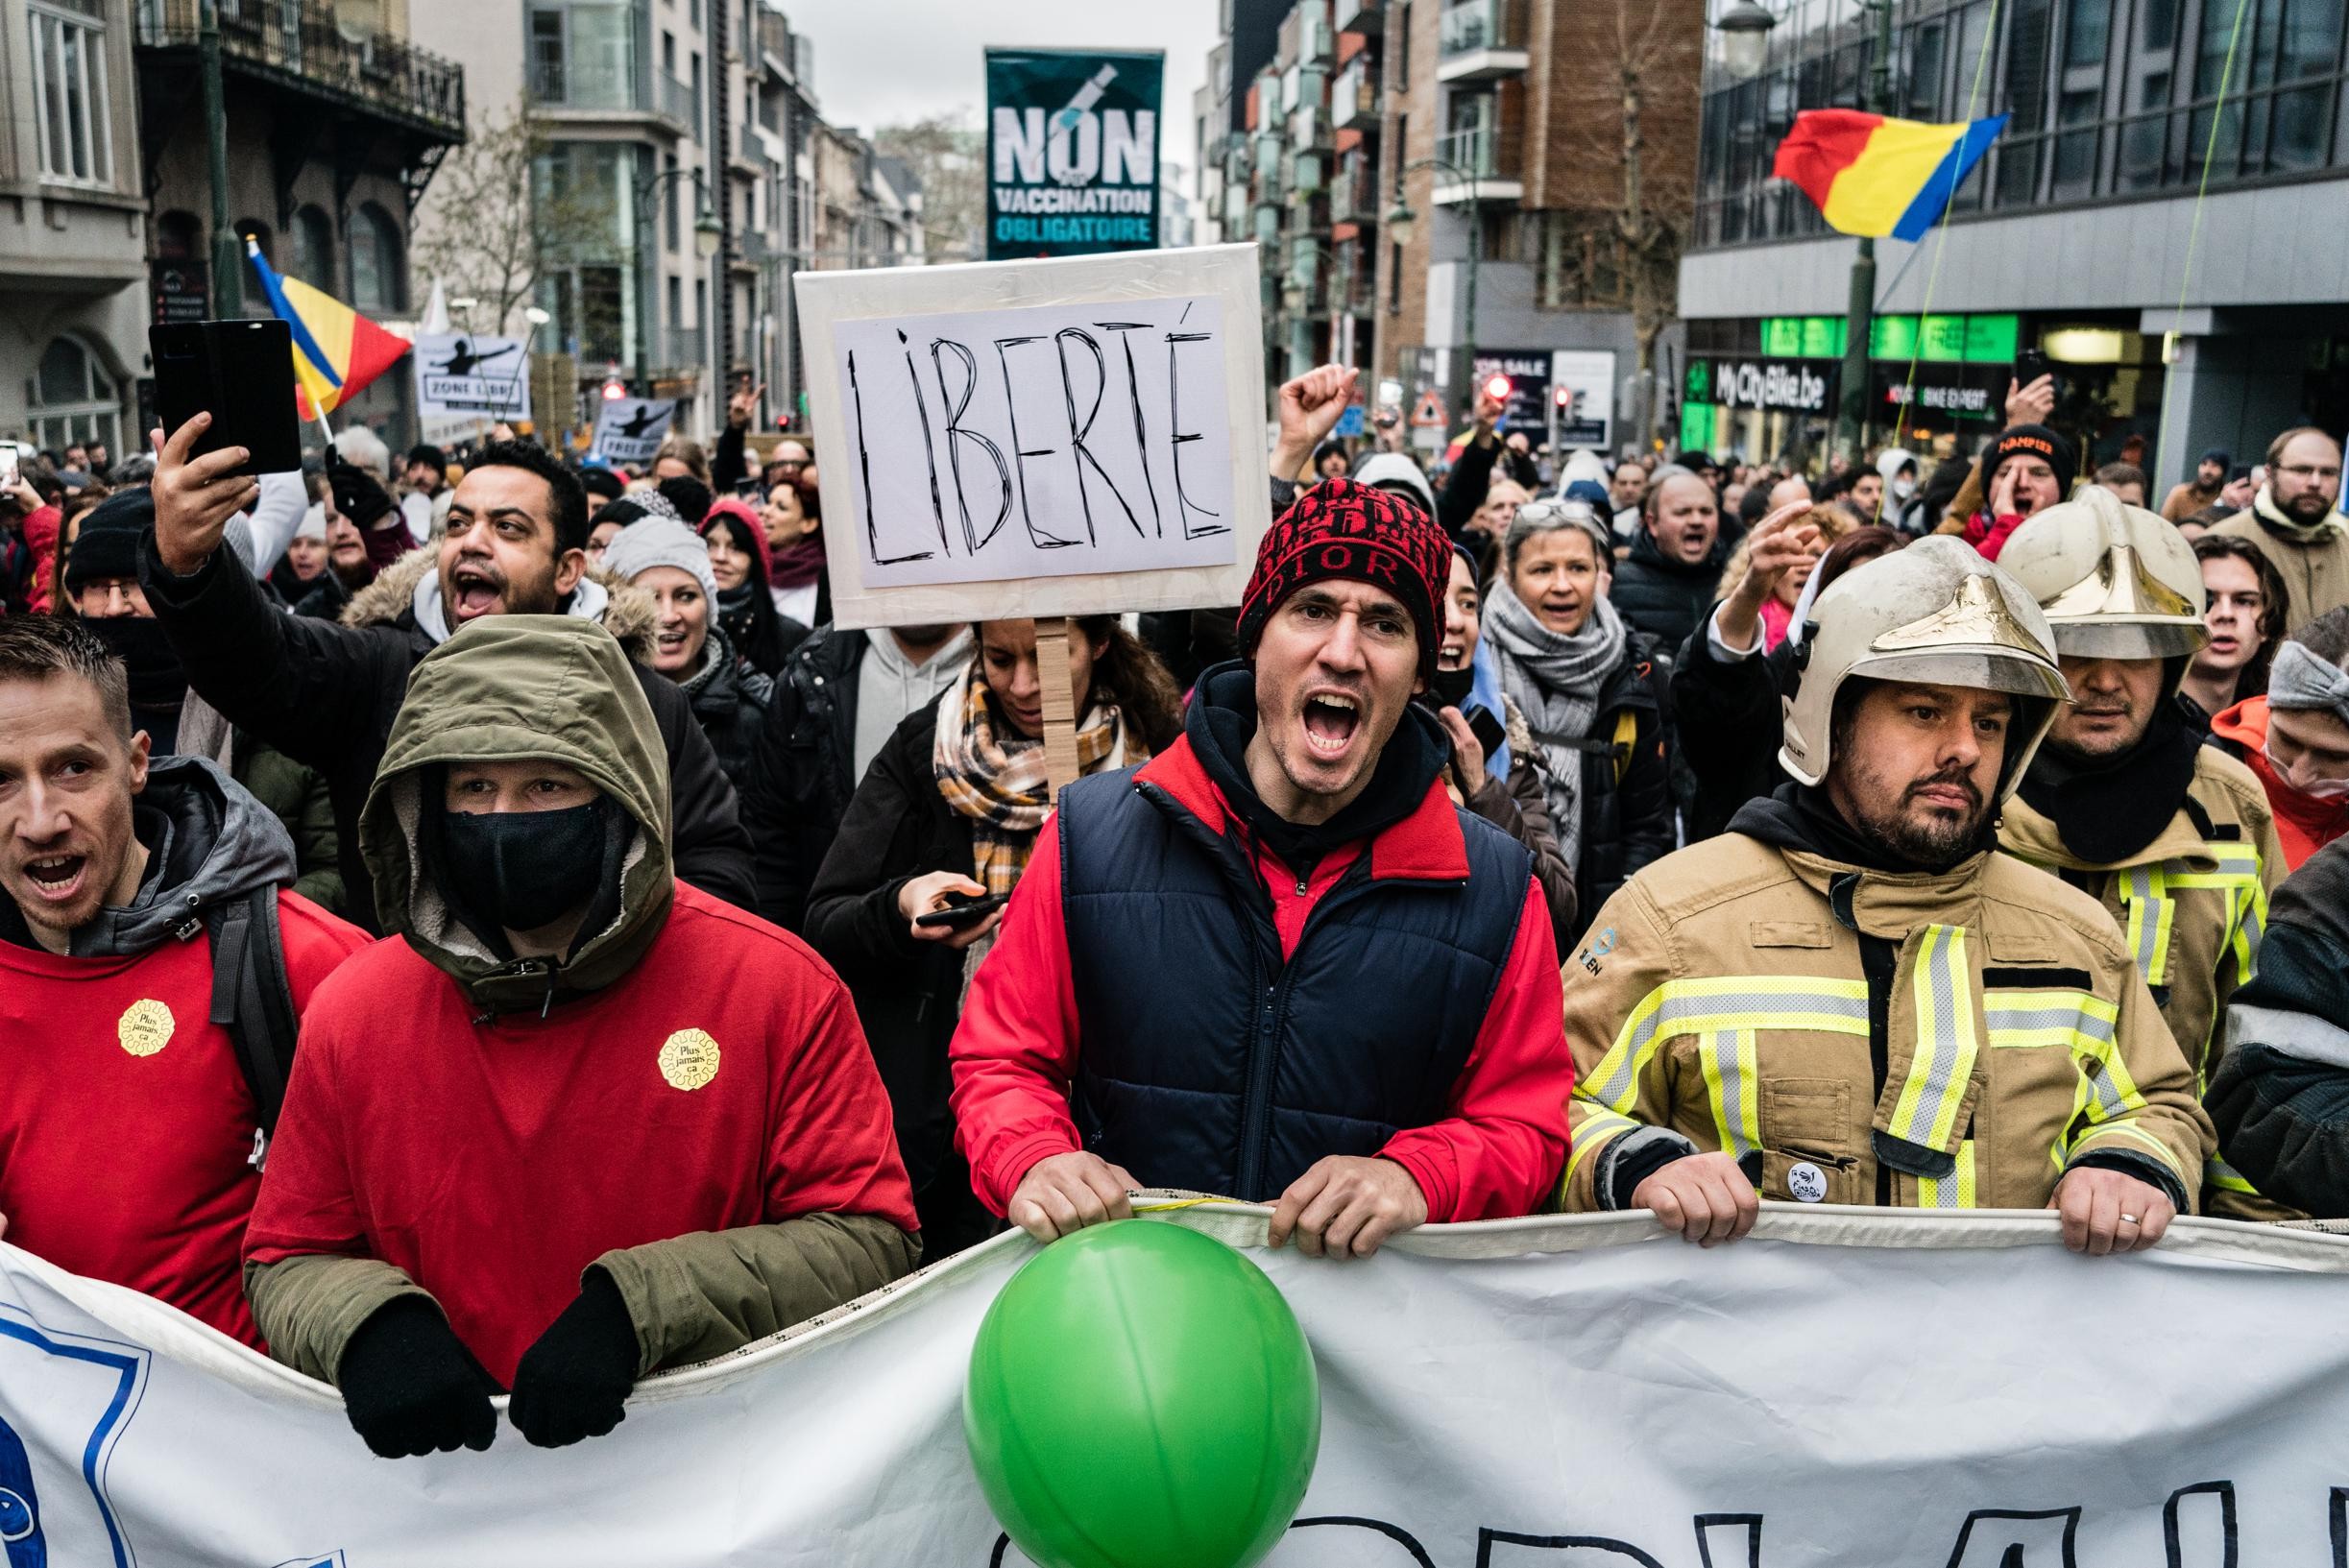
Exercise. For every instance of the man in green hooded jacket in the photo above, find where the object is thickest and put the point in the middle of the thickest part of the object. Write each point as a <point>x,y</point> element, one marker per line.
<point>579,1121</point>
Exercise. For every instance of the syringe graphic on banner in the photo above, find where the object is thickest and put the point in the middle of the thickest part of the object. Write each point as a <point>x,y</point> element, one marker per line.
<point>1086,97</point>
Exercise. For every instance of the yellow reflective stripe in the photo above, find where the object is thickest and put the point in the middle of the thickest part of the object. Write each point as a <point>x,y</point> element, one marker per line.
<point>2216,1172</point>
<point>1733,1085</point>
<point>1956,1191</point>
<point>2130,1130</point>
<point>2151,911</point>
<point>1926,1113</point>
<point>2075,1019</point>
<point>2237,876</point>
<point>1726,1002</point>
<point>1596,1128</point>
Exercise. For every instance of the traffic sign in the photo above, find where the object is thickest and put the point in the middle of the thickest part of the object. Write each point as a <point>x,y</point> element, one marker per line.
<point>1429,413</point>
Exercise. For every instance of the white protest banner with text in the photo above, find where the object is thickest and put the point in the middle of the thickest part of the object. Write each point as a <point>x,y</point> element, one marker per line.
<point>1038,438</point>
<point>1843,1387</point>
<point>630,429</point>
<point>466,383</point>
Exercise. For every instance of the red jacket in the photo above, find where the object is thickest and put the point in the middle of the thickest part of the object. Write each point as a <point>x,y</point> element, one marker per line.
<point>126,1123</point>
<point>40,528</point>
<point>1988,535</point>
<point>2305,823</point>
<point>722,1082</point>
<point>1015,1054</point>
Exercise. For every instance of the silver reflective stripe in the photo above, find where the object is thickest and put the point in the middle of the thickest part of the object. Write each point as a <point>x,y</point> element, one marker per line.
<point>1698,1007</point>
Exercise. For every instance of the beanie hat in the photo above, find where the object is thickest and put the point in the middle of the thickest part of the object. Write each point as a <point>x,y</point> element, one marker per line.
<point>1392,470</point>
<point>2033,441</point>
<point>430,456</point>
<point>1342,528</point>
<point>1590,492</point>
<point>659,542</point>
<point>108,546</point>
<point>313,524</point>
<point>2219,455</point>
<point>687,495</point>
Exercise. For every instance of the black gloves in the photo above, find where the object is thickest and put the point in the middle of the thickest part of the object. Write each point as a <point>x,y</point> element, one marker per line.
<point>574,1381</point>
<point>358,495</point>
<point>410,1385</point>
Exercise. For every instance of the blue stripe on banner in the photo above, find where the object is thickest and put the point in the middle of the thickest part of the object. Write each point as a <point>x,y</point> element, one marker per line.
<point>292,318</point>
<point>1933,199</point>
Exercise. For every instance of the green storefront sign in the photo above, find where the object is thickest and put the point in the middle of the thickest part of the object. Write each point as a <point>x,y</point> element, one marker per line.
<point>1071,151</point>
<point>1969,340</point>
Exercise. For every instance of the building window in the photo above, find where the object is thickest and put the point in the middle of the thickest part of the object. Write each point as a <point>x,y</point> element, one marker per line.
<point>177,236</point>
<point>69,96</point>
<point>546,57</point>
<point>310,250</point>
<point>669,181</point>
<point>374,260</point>
<point>70,397</point>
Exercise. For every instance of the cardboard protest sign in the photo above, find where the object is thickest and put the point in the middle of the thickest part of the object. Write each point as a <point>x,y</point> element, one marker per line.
<point>630,429</point>
<point>1043,438</point>
<point>465,382</point>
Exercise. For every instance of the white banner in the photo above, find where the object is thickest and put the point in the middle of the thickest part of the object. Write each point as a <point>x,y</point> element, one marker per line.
<point>1846,1387</point>
<point>630,429</point>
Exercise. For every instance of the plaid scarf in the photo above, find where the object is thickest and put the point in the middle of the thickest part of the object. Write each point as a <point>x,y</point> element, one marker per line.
<point>998,781</point>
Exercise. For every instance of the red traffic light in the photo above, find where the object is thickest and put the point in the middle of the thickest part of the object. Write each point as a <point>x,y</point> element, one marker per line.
<point>1497,389</point>
<point>615,390</point>
<point>1562,396</point>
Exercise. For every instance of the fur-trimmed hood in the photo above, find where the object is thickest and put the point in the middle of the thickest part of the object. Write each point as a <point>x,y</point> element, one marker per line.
<point>628,613</point>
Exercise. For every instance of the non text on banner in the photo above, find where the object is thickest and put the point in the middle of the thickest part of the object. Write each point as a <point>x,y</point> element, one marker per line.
<point>1071,151</point>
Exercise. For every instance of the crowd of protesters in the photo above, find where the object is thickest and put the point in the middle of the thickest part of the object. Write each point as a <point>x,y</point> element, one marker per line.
<point>668,964</point>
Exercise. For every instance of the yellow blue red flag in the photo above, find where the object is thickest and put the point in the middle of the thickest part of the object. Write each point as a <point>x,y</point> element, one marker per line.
<point>1875,175</point>
<point>337,352</point>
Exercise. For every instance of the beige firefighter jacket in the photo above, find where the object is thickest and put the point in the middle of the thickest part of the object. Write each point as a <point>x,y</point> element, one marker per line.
<point>2190,906</point>
<point>1720,1001</point>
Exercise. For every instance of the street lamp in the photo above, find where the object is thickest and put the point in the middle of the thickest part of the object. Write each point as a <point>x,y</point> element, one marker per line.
<point>1745,38</point>
<point>708,233</point>
<point>1403,222</point>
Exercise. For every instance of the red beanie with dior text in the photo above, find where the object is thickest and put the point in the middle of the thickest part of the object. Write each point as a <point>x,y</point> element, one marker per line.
<point>1339,528</point>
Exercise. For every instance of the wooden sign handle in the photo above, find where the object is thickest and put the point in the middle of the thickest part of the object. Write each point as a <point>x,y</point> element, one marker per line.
<point>1059,703</point>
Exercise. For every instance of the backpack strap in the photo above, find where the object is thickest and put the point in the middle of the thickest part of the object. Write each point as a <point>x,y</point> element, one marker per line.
<point>252,999</point>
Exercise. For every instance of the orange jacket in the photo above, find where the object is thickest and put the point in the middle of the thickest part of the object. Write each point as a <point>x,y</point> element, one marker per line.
<point>2305,823</point>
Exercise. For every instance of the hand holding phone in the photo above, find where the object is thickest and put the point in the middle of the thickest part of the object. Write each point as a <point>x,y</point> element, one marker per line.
<point>196,496</point>
<point>241,375</point>
<point>947,906</point>
<point>962,911</point>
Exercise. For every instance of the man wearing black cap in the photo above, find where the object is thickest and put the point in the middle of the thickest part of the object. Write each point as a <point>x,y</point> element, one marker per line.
<point>2029,468</point>
<point>1277,962</point>
<point>425,477</point>
<point>2210,478</point>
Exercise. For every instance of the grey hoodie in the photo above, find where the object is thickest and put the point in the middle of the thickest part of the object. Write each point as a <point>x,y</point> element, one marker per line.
<point>208,843</point>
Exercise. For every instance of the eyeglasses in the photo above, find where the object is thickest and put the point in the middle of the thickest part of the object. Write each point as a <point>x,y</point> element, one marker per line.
<point>2303,471</point>
<point>1542,512</point>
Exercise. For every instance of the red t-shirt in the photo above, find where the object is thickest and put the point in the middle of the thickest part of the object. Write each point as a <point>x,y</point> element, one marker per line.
<point>126,1123</point>
<point>723,1082</point>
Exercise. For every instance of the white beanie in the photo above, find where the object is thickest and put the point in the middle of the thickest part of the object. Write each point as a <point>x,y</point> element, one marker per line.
<point>313,522</point>
<point>659,542</point>
<point>1392,470</point>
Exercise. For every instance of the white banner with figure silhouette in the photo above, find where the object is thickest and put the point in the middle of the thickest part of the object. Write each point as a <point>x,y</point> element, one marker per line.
<point>1843,1387</point>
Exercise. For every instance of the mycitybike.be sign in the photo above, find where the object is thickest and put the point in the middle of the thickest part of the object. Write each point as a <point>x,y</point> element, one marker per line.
<point>1071,151</point>
<point>1790,386</point>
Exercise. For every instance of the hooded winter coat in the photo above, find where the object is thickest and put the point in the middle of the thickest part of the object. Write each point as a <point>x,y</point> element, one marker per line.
<point>2313,559</point>
<point>125,1121</point>
<point>2190,906</point>
<point>1664,599</point>
<point>2304,823</point>
<point>683,1101</point>
<point>326,695</point>
<point>1757,995</point>
<point>2280,1095</point>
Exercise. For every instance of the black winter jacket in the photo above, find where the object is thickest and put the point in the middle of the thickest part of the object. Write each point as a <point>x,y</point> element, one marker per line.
<point>1664,600</point>
<point>2280,1095</point>
<point>803,770</point>
<point>1626,798</point>
<point>909,994</point>
<point>1727,719</point>
<point>730,704</point>
<point>325,694</point>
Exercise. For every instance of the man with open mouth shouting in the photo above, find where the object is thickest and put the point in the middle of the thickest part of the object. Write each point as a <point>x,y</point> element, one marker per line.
<point>1277,962</point>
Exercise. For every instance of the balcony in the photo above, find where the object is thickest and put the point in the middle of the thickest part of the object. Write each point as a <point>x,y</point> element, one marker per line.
<point>675,100</point>
<point>1354,98</point>
<point>1304,177</point>
<point>296,44</point>
<point>1354,194</point>
<point>680,349</point>
<point>1309,130</point>
<point>1476,153</point>
<point>1480,40</point>
<point>1364,16</point>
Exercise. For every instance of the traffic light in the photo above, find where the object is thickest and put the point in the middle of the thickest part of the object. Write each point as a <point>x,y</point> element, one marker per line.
<point>1563,397</point>
<point>1498,389</point>
<point>614,390</point>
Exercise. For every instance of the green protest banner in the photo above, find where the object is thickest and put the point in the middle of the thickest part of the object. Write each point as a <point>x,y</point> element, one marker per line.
<point>1071,151</point>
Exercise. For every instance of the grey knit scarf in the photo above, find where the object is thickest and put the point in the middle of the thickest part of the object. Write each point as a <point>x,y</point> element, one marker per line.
<point>1556,680</point>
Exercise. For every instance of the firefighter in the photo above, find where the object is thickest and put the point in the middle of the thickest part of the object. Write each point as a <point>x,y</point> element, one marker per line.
<point>2124,802</point>
<point>1848,998</point>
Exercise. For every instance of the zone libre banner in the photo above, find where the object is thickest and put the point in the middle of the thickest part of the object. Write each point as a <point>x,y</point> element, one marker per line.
<point>1846,1386</point>
<point>1071,151</point>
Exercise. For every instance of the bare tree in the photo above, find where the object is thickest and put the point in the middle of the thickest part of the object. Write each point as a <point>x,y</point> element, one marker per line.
<point>495,225</point>
<point>948,155</point>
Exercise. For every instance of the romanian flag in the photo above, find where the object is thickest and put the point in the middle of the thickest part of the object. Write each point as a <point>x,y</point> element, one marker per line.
<point>336,351</point>
<point>1873,176</point>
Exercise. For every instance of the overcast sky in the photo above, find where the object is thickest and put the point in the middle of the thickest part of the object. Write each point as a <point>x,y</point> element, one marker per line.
<point>886,61</point>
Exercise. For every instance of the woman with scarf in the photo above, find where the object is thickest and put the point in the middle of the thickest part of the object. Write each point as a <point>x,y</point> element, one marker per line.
<point>949,811</point>
<point>793,523</point>
<point>1596,708</point>
<point>671,564</point>
<point>763,637</point>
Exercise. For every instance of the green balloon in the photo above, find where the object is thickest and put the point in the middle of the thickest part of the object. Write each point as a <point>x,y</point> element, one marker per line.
<point>1141,1396</point>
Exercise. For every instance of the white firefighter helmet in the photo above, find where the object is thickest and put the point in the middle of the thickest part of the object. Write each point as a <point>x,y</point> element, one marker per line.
<point>2117,581</point>
<point>1935,614</point>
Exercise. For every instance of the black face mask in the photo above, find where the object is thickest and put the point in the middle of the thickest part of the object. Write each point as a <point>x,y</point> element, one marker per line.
<point>523,870</point>
<point>145,651</point>
<point>1452,687</point>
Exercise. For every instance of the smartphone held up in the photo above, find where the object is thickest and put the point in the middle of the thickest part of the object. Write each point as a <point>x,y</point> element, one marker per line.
<point>242,373</point>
